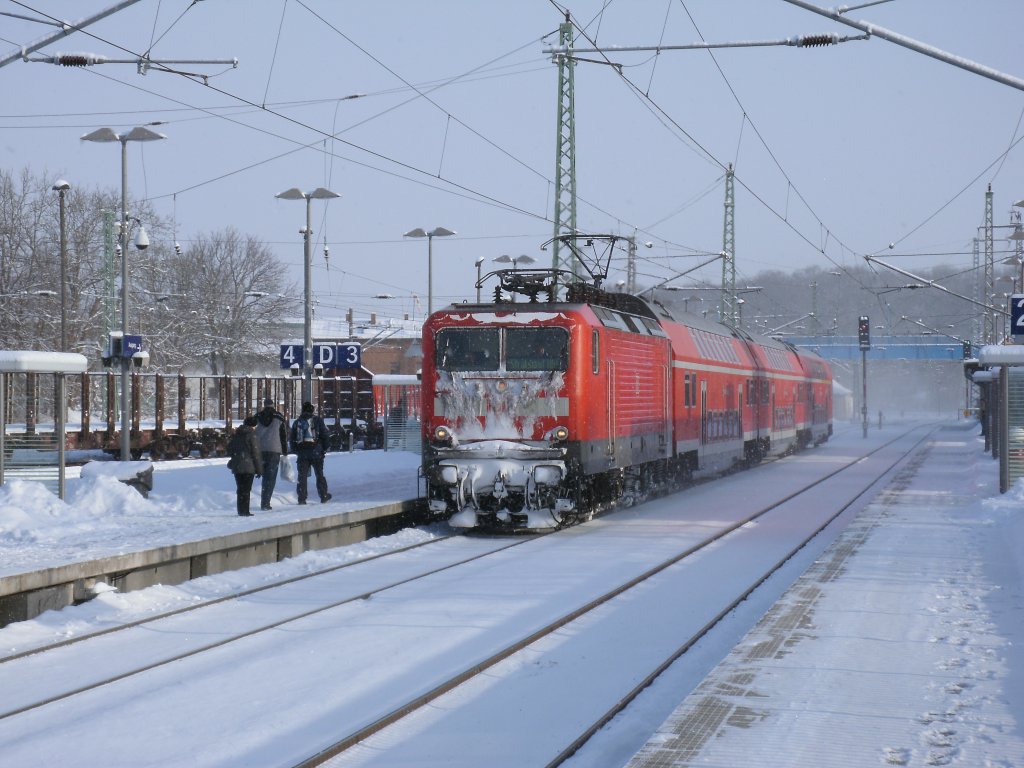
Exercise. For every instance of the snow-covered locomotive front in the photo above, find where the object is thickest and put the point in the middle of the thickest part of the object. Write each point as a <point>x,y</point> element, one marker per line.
<point>497,415</point>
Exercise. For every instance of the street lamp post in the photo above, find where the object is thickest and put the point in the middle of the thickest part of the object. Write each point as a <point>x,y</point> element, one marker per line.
<point>320,193</point>
<point>61,187</point>
<point>104,135</point>
<point>435,232</point>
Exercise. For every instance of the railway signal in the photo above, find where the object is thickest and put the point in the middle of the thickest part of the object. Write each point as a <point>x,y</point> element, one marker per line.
<point>864,337</point>
<point>864,333</point>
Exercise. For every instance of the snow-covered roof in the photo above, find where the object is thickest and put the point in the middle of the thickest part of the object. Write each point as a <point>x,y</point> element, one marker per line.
<point>361,329</point>
<point>1001,354</point>
<point>30,361</point>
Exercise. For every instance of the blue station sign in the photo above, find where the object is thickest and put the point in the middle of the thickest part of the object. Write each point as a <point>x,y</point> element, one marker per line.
<point>326,355</point>
<point>1017,314</point>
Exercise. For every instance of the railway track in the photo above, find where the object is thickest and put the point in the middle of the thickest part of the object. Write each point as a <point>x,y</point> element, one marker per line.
<point>364,702</point>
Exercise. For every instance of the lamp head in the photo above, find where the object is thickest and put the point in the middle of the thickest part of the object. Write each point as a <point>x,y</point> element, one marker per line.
<point>142,239</point>
<point>61,186</point>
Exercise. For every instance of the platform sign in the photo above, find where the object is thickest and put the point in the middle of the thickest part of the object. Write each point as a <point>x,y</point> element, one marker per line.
<point>325,355</point>
<point>132,344</point>
<point>292,355</point>
<point>349,356</point>
<point>1017,316</point>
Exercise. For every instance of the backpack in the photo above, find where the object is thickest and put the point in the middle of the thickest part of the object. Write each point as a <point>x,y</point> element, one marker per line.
<point>237,450</point>
<point>303,432</point>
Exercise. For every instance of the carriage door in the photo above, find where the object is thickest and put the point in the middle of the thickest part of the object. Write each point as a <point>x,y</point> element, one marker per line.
<point>611,410</point>
<point>703,413</point>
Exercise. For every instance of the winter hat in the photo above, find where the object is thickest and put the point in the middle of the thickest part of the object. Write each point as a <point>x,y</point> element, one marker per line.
<point>268,403</point>
<point>307,407</point>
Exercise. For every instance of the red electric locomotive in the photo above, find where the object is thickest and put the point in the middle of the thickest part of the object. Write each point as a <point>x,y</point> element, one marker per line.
<point>538,413</point>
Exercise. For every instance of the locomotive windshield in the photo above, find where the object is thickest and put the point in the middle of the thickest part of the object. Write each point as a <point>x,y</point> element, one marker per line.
<point>467,349</point>
<point>525,349</point>
<point>536,349</point>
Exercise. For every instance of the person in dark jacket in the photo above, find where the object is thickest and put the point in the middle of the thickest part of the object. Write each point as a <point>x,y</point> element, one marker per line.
<point>310,441</point>
<point>245,462</point>
<point>272,433</point>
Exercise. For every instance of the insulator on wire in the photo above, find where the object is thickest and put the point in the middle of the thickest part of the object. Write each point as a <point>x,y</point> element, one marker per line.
<point>73,60</point>
<point>815,41</point>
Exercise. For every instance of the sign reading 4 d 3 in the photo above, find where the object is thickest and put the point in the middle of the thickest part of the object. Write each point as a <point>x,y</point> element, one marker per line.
<point>324,355</point>
<point>1017,314</point>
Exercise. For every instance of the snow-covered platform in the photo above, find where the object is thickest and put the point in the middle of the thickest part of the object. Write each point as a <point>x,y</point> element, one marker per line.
<point>54,552</point>
<point>901,645</point>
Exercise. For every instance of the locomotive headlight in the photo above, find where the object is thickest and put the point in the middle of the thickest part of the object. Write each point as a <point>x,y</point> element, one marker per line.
<point>558,435</point>
<point>443,434</point>
<point>546,474</point>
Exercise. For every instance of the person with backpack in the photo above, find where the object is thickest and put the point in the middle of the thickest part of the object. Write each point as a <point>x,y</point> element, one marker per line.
<point>245,462</point>
<point>310,441</point>
<point>273,438</point>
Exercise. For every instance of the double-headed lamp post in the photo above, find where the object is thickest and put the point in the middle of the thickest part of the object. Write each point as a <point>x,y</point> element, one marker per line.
<point>435,232</point>
<point>61,187</point>
<point>105,135</point>
<point>320,193</point>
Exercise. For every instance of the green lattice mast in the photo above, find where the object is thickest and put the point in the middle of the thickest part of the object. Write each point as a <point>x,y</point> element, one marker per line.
<point>989,331</point>
<point>727,308</point>
<point>565,152</point>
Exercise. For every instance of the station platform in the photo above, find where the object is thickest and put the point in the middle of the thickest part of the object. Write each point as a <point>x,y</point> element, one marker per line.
<point>26,595</point>
<point>54,554</point>
<point>903,644</point>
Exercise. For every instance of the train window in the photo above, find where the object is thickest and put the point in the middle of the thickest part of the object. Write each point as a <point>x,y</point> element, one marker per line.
<point>611,319</point>
<point>630,323</point>
<point>652,326</point>
<point>595,352</point>
<point>467,349</point>
<point>689,390</point>
<point>536,349</point>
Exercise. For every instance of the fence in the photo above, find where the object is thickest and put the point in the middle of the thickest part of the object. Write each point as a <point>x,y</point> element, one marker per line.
<point>397,404</point>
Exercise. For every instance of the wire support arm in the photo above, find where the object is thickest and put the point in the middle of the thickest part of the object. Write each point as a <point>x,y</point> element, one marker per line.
<point>799,41</point>
<point>914,45</point>
<point>932,284</point>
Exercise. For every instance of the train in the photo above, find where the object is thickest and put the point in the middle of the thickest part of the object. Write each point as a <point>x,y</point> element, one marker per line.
<point>537,414</point>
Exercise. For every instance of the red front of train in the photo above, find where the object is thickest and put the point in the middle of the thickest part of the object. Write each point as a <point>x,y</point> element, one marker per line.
<point>531,409</point>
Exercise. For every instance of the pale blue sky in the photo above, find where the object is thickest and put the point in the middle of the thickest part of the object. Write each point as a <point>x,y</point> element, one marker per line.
<point>457,129</point>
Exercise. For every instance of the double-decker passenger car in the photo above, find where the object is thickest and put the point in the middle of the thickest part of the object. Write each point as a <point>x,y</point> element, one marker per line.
<point>537,414</point>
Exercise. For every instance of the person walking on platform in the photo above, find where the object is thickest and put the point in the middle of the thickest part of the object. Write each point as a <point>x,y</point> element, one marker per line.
<point>245,462</point>
<point>272,434</point>
<point>310,441</point>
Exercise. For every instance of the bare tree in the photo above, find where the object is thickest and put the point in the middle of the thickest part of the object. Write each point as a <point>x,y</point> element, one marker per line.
<point>215,305</point>
<point>227,295</point>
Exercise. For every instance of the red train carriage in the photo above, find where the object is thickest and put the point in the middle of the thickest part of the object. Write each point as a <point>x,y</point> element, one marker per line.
<point>535,414</point>
<point>816,426</point>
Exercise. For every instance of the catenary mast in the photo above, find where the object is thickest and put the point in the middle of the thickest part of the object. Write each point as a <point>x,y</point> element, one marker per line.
<point>727,309</point>
<point>565,152</point>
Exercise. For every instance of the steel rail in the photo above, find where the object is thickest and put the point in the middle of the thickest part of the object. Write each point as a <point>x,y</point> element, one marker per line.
<point>212,601</point>
<point>421,701</point>
<point>626,700</point>
<point>255,630</point>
